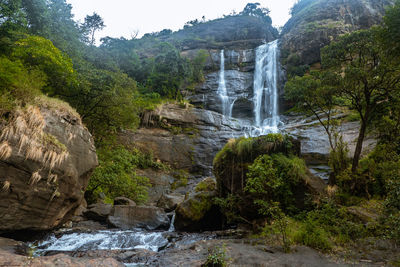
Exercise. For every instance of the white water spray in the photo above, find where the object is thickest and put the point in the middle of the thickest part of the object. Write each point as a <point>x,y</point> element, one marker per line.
<point>222,86</point>
<point>265,86</point>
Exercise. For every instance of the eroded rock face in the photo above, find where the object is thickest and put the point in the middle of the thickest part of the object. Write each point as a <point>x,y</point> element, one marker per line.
<point>184,137</point>
<point>127,217</point>
<point>239,86</point>
<point>321,21</point>
<point>314,140</point>
<point>50,156</point>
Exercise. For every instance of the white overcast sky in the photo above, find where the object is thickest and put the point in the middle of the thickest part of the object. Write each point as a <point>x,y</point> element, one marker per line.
<point>123,17</point>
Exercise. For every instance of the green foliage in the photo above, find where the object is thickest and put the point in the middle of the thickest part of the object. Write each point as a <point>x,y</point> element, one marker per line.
<point>316,94</point>
<point>230,205</point>
<point>12,18</point>
<point>17,84</point>
<point>206,185</point>
<point>106,101</point>
<point>38,53</point>
<point>181,179</point>
<point>198,63</point>
<point>115,176</point>
<point>390,34</point>
<point>312,235</point>
<point>339,160</point>
<point>392,208</point>
<point>216,257</point>
<point>272,181</point>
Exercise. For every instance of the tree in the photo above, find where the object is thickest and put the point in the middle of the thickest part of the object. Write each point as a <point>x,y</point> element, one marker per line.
<point>38,53</point>
<point>253,9</point>
<point>313,94</point>
<point>92,24</point>
<point>11,15</point>
<point>366,75</point>
<point>390,32</point>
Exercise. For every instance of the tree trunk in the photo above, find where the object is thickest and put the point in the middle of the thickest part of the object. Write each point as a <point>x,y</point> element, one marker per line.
<point>360,140</point>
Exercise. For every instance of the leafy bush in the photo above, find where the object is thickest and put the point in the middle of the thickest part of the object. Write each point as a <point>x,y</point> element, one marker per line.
<point>392,209</point>
<point>312,235</point>
<point>216,258</point>
<point>18,84</point>
<point>115,176</point>
<point>274,179</point>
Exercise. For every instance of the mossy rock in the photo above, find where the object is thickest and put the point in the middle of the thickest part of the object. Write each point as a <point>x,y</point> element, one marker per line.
<point>231,163</point>
<point>198,212</point>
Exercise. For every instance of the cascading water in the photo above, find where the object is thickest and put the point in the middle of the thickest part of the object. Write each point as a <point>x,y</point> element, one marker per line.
<point>226,101</point>
<point>265,86</point>
<point>222,86</point>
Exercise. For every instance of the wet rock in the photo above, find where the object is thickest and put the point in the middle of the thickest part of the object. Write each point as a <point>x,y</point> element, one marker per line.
<point>160,183</point>
<point>10,259</point>
<point>148,217</point>
<point>208,184</point>
<point>239,87</point>
<point>8,244</point>
<point>44,173</point>
<point>240,253</point>
<point>169,202</point>
<point>98,212</point>
<point>124,201</point>
<point>198,212</point>
<point>87,225</point>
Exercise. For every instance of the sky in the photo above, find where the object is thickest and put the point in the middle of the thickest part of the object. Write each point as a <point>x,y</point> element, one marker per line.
<point>125,17</point>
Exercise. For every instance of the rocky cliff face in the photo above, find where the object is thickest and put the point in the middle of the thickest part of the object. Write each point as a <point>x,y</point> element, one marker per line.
<point>46,158</point>
<point>185,137</point>
<point>315,23</point>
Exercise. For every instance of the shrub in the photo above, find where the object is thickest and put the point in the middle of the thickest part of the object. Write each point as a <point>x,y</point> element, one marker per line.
<point>216,257</point>
<point>275,179</point>
<point>115,176</point>
<point>312,235</point>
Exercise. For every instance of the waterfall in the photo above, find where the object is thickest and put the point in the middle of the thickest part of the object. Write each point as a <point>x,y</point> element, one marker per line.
<point>227,103</point>
<point>265,88</point>
<point>171,226</point>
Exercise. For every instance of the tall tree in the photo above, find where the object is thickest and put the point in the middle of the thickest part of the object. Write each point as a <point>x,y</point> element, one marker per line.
<point>367,76</point>
<point>92,24</point>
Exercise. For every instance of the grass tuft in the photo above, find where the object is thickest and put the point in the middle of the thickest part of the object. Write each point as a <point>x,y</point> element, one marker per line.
<point>5,150</point>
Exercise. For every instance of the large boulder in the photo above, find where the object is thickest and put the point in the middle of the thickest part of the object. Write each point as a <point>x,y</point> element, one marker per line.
<point>169,202</point>
<point>199,212</point>
<point>124,201</point>
<point>46,158</point>
<point>98,212</point>
<point>127,217</point>
<point>160,183</point>
<point>230,164</point>
<point>231,167</point>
